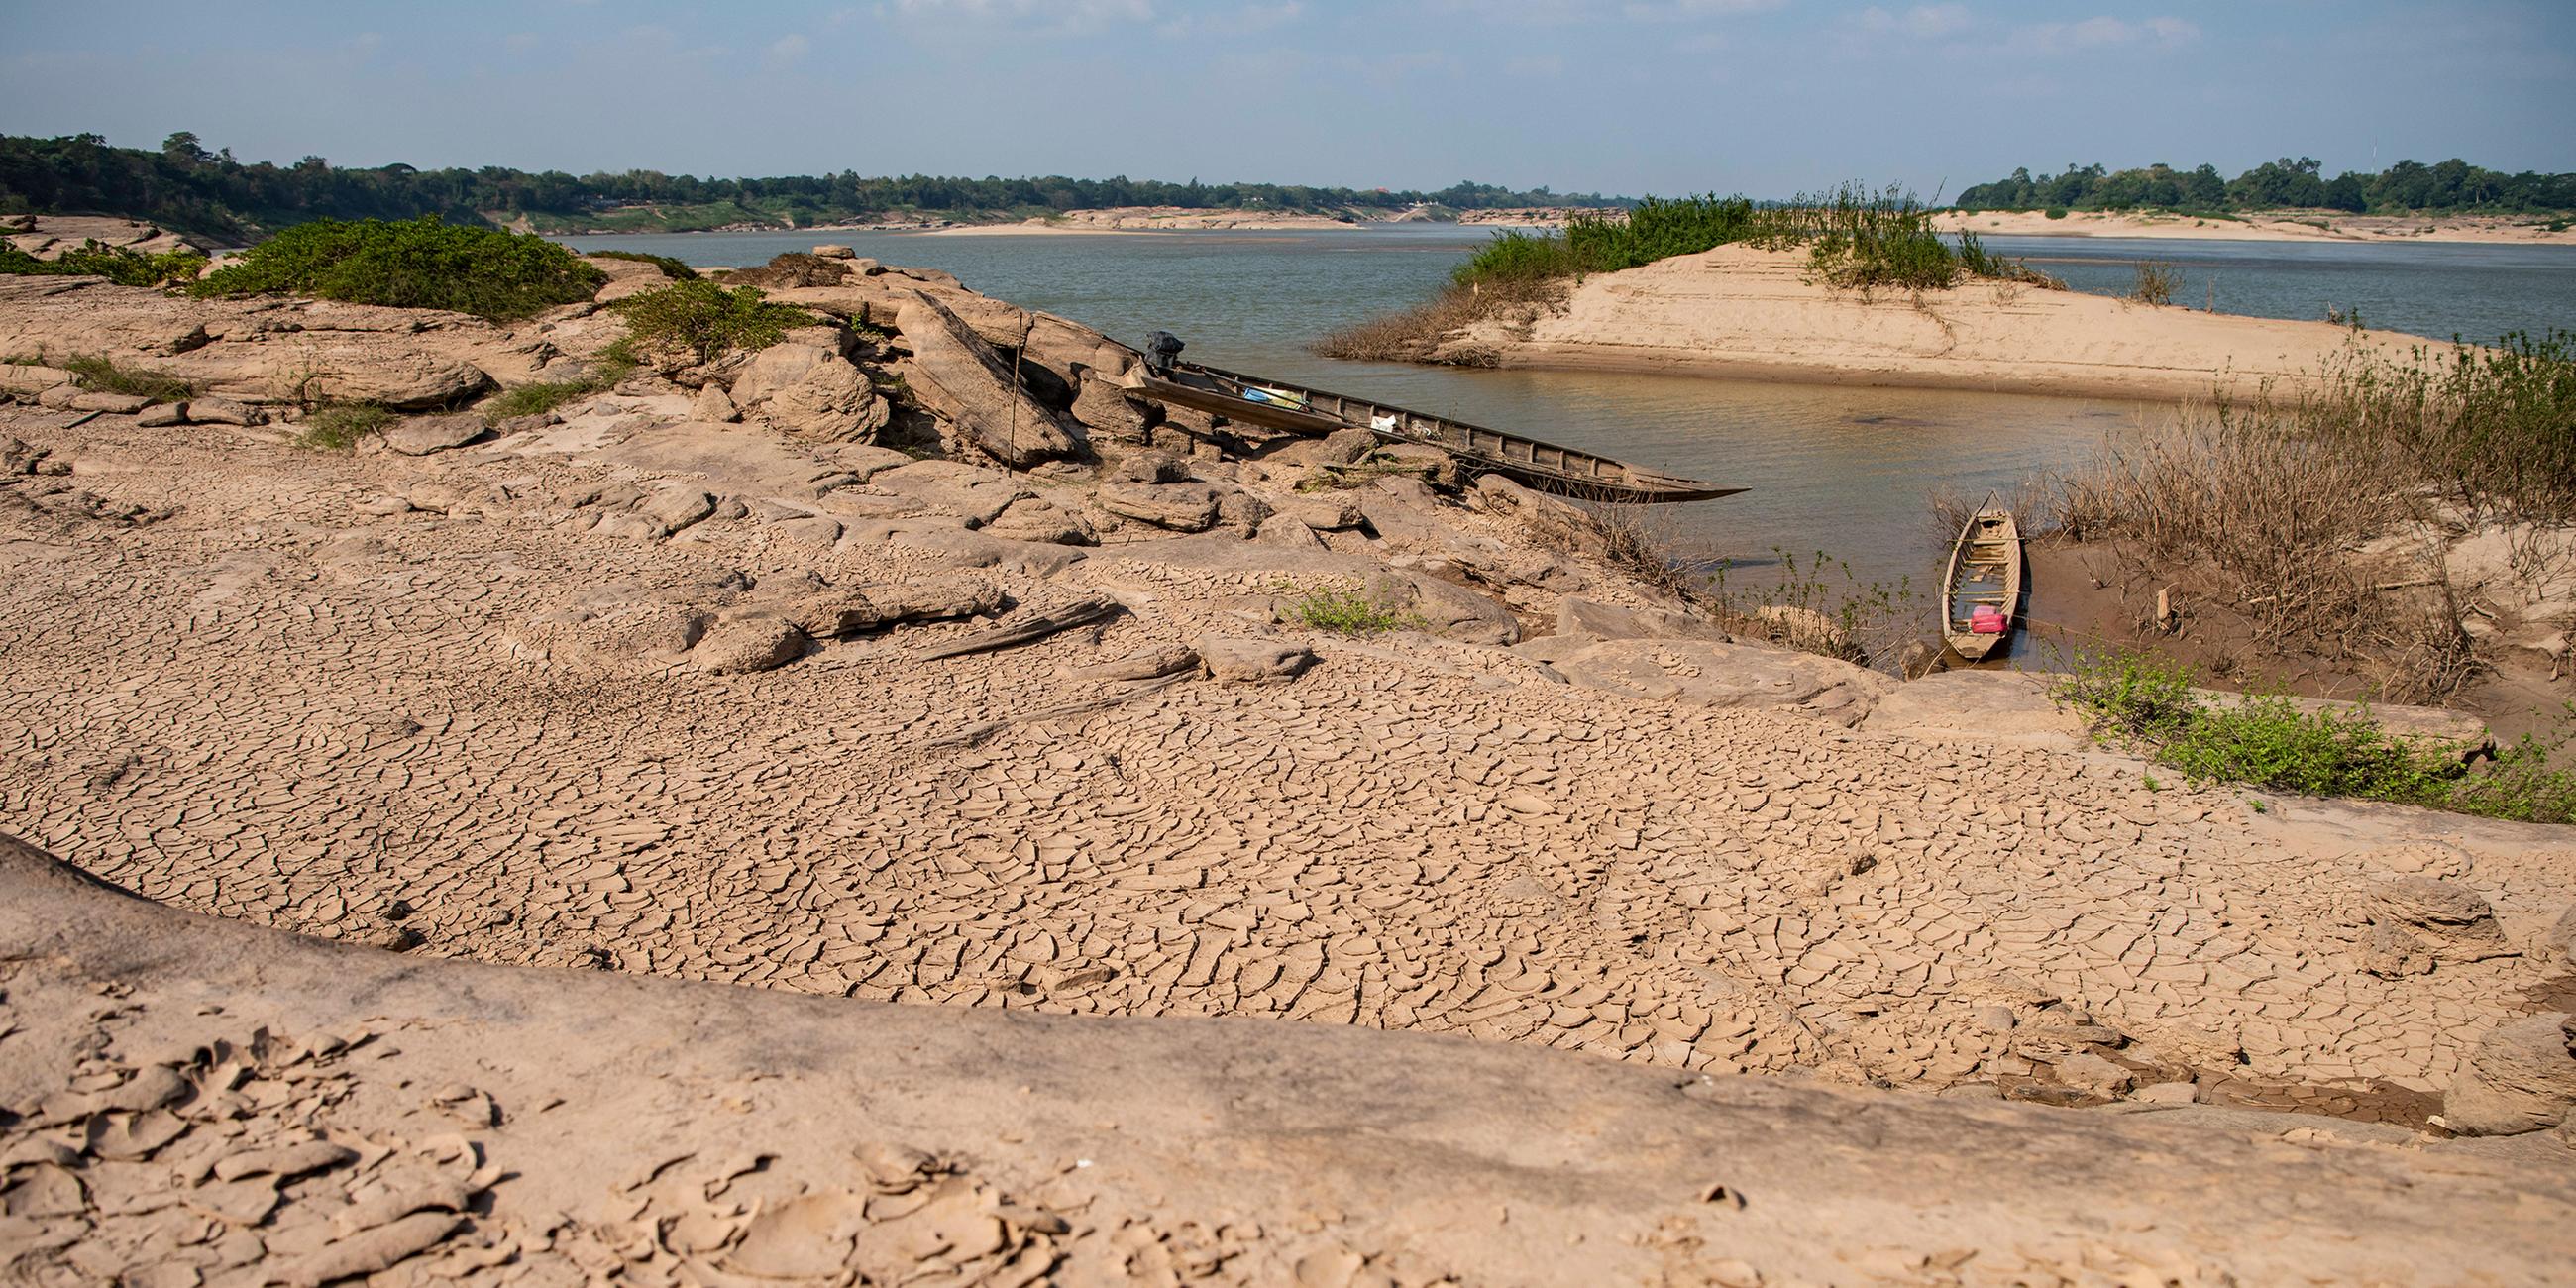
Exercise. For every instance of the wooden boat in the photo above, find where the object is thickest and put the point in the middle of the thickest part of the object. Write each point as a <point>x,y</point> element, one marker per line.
<point>1544,466</point>
<point>1984,572</point>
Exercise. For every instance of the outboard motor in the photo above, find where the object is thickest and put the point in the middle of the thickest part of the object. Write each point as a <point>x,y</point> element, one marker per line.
<point>1162,349</point>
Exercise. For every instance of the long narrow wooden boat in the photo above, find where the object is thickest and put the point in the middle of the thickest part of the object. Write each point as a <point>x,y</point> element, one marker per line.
<point>1985,571</point>
<point>1545,466</point>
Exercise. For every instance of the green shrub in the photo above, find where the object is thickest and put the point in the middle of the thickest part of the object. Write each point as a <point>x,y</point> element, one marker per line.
<point>101,372</point>
<point>705,320</point>
<point>337,427</point>
<point>613,365</point>
<point>671,268</point>
<point>119,264</point>
<point>2055,212</point>
<point>414,264</point>
<point>2270,742</point>
<point>1344,612</point>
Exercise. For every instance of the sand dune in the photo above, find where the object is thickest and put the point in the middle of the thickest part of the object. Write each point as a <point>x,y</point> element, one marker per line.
<point>2262,227</point>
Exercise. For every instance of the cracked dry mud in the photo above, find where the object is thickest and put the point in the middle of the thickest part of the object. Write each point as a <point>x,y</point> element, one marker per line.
<point>669,698</point>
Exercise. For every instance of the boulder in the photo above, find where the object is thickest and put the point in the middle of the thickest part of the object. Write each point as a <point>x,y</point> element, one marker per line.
<point>1236,508</point>
<point>959,379</point>
<point>1579,618</point>
<point>1150,466</point>
<point>220,411</point>
<point>829,251</point>
<point>1705,673</point>
<point>422,435</point>
<point>1039,519</point>
<point>676,505</point>
<point>1346,447</point>
<point>812,392</point>
<point>163,416</point>
<point>740,643</point>
<point>1803,628</point>
<point>833,614</point>
<point>715,405</point>
<point>2519,1077</point>
<point>1147,664</point>
<point>114,404</point>
<point>31,378</point>
<point>1287,533</point>
<point>1180,507</point>
<point>2559,944</point>
<point>1327,513</point>
<point>1443,609</point>
<point>2451,920</point>
<point>1258,661</point>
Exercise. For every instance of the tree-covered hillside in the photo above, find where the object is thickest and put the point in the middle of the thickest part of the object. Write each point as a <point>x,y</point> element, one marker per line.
<point>186,187</point>
<point>2451,187</point>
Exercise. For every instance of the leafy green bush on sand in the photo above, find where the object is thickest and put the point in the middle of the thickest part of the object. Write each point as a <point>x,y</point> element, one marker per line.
<point>122,265</point>
<point>414,264</point>
<point>2268,741</point>
<point>704,320</point>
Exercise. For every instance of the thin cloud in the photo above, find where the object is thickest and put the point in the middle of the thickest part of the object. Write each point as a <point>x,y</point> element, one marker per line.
<point>1048,16</point>
<point>2104,33</point>
<point>789,48</point>
<point>1924,21</point>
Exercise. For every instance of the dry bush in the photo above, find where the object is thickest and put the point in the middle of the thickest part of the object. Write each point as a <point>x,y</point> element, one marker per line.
<point>1412,334</point>
<point>2271,517</point>
<point>2156,283</point>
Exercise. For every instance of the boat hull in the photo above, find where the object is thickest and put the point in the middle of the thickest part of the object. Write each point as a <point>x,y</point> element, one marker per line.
<point>1985,569</point>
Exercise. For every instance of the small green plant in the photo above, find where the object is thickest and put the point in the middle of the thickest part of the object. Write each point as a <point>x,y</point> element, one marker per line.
<point>705,321</point>
<point>413,264</point>
<point>337,427</point>
<point>104,374</point>
<point>2155,282</point>
<point>2343,317</point>
<point>614,364</point>
<point>2150,781</point>
<point>1342,611</point>
<point>2269,741</point>
<point>2055,212</point>
<point>122,265</point>
<point>671,268</point>
<point>2260,805</point>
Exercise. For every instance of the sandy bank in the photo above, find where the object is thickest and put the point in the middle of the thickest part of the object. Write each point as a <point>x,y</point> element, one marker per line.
<point>2304,227</point>
<point>1740,312</point>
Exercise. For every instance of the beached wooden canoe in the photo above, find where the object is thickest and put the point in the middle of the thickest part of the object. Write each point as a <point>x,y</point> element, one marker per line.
<point>1545,466</point>
<point>1984,578</point>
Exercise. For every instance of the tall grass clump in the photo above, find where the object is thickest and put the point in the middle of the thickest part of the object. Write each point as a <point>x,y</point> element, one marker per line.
<point>105,374</point>
<point>2268,741</point>
<point>413,264</point>
<point>122,265</point>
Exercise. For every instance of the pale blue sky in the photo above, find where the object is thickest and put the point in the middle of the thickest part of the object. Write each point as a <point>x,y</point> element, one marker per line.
<point>1631,96</point>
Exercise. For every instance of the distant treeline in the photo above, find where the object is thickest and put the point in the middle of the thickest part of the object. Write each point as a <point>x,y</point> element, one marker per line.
<point>183,186</point>
<point>2406,187</point>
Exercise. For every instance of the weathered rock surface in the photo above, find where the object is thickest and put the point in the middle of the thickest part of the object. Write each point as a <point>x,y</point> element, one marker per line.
<point>811,391</point>
<point>1704,673</point>
<point>2520,1077</point>
<point>422,435</point>
<point>963,382</point>
<point>1234,657</point>
<point>1178,507</point>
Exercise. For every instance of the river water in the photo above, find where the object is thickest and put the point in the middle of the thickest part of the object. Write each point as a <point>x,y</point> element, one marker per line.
<point>1845,471</point>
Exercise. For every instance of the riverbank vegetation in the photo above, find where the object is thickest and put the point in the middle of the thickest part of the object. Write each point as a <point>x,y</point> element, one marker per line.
<point>185,186</point>
<point>419,263</point>
<point>2408,187</point>
<point>2270,742</point>
<point>2269,509</point>
<point>703,321</point>
<point>1856,238</point>
<point>122,265</point>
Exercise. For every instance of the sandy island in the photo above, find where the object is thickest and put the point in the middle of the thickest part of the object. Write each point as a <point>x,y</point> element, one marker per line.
<point>1752,314</point>
<point>2303,226</point>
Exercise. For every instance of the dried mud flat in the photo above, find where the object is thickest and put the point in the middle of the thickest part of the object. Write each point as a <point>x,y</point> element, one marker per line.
<point>688,700</point>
